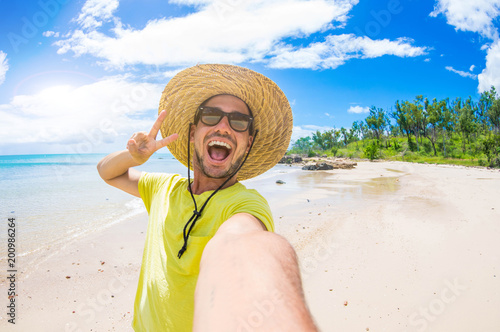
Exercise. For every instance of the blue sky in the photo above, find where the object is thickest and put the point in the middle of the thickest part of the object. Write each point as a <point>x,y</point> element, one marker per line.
<point>83,76</point>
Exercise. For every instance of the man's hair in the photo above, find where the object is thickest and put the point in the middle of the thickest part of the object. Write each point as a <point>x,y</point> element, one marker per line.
<point>197,118</point>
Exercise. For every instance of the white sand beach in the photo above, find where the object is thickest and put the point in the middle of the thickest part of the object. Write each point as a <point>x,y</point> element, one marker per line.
<point>386,246</point>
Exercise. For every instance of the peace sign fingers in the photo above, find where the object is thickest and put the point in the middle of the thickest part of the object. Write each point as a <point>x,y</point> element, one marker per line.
<point>157,125</point>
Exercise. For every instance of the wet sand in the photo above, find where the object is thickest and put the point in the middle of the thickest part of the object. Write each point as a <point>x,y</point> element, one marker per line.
<point>386,246</point>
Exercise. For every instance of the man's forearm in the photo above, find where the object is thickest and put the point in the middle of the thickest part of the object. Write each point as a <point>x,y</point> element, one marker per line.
<point>244,276</point>
<point>115,164</point>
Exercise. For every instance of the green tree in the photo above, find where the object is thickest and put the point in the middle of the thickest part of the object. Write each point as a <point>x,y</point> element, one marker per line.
<point>491,148</point>
<point>417,118</point>
<point>365,132</point>
<point>356,130</point>
<point>331,138</point>
<point>302,146</point>
<point>318,139</point>
<point>346,136</point>
<point>494,115</point>
<point>485,103</point>
<point>435,112</point>
<point>447,123</point>
<point>377,121</point>
<point>327,139</point>
<point>401,115</point>
<point>394,130</point>
<point>466,121</point>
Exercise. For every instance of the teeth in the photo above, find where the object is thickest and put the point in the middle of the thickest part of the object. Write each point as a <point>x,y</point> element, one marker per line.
<point>219,143</point>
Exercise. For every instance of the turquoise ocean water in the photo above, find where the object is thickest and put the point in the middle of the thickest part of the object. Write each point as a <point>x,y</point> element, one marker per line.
<point>57,199</point>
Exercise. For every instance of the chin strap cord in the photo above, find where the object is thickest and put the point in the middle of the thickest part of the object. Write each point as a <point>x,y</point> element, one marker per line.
<point>196,213</point>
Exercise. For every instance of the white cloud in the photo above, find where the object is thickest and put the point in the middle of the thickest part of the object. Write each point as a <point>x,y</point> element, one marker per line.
<point>358,109</point>
<point>95,12</point>
<point>4,66</point>
<point>472,68</point>
<point>307,130</point>
<point>50,34</point>
<point>461,73</point>
<point>478,16</point>
<point>475,16</point>
<point>491,74</point>
<point>217,31</point>
<point>96,112</point>
<point>338,49</point>
<point>157,74</point>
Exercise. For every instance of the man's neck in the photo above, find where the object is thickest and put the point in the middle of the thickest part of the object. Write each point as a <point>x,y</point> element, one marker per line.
<point>202,183</point>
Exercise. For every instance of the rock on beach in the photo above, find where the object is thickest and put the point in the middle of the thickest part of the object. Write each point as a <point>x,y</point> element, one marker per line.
<point>317,163</point>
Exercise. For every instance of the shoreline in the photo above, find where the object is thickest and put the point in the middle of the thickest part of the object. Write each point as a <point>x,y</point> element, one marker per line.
<point>388,246</point>
<point>339,160</point>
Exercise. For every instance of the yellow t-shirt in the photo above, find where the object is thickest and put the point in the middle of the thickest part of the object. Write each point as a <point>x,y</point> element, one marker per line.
<point>165,294</point>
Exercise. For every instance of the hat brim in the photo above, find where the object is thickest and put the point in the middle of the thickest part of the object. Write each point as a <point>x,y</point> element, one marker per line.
<point>270,108</point>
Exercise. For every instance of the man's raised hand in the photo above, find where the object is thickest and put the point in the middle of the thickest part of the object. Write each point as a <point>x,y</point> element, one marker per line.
<point>142,145</point>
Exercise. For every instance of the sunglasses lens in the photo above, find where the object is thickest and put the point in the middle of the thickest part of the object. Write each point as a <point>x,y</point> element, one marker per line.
<point>239,123</point>
<point>211,116</point>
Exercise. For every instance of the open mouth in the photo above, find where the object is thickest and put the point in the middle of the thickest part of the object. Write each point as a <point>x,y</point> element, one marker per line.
<point>218,150</point>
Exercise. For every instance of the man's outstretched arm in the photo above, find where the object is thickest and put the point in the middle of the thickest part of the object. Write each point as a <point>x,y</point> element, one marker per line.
<point>249,281</point>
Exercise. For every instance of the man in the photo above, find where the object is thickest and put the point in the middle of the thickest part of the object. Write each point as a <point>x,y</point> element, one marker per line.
<point>211,261</point>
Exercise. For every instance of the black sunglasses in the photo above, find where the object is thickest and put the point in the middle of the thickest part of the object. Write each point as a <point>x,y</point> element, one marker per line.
<point>211,116</point>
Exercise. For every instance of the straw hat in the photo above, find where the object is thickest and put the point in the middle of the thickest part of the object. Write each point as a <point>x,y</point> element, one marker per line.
<point>269,105</point>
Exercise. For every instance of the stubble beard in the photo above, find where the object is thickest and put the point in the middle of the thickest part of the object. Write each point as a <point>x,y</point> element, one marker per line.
<point>234,166</point>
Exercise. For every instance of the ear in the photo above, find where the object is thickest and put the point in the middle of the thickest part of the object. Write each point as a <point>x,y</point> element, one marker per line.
<point>191,132</point>
<point>250,140</point>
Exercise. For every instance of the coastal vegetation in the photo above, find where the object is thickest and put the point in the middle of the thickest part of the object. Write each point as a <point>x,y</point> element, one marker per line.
<point>458,131</point>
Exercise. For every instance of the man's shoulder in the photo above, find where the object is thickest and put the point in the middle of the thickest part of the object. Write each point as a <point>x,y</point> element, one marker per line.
<point>245,200</point>
<point>161,179</point>
<point>240,192</point>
